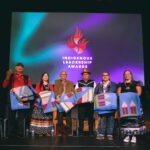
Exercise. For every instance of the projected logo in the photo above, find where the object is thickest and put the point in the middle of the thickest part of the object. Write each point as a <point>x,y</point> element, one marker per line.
<point>77,42</point>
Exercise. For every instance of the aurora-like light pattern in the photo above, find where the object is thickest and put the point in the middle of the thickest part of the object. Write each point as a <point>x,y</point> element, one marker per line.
<point>115,43</point>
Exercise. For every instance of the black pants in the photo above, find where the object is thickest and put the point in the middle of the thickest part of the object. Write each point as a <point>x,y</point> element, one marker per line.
<point>67,115</point>
<point>85,111</point>
<point>15,122</point>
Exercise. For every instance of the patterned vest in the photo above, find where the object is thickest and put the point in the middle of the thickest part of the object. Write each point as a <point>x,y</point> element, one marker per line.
<point>89,83</point>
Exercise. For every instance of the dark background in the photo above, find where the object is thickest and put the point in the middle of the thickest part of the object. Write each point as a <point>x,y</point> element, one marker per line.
<point>120,6</point>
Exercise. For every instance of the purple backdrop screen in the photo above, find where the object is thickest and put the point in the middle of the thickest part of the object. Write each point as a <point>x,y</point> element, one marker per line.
<point>53,42</point>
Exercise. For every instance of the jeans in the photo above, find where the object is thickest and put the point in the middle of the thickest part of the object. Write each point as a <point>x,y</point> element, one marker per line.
<point>106,124</point>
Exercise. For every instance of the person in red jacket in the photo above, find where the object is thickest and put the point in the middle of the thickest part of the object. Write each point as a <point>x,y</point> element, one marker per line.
<point>40,122</point>
<point>17,79</point>
<point>13,80</point>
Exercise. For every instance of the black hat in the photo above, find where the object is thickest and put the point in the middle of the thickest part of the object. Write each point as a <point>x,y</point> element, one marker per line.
<point>20,64</point>
<point>85,70</point>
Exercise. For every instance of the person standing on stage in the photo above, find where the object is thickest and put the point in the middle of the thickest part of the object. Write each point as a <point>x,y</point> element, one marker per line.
<point>106,123</point>
<point>40,122</point>
<point>85,110</point>
<point>16,117</point>
<point>132,124</point>
<point>63,86</point>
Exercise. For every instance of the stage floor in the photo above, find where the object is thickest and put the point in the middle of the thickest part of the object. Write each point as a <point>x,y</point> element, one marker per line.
<point>71,143</point>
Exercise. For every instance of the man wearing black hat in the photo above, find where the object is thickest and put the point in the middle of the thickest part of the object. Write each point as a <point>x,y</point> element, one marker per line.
<point>85,110</point>
<point>16,117</point>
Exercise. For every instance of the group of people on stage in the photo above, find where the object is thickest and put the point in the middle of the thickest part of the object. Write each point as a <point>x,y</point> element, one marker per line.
<point>39,121</point>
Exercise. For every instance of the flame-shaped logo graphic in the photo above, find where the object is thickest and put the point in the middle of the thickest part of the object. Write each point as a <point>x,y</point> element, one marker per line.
<point>77,42</point>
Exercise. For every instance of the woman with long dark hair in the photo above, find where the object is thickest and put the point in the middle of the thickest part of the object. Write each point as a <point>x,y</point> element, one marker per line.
<point>131,126</point>
<point>40,122</point>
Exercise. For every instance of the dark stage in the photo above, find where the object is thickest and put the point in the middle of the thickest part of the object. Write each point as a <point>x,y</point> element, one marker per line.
<point>74,143</point>
<point>122,7</point>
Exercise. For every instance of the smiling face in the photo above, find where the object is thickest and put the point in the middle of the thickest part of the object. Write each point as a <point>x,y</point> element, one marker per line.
<point>105,77</point>
<point>128,76</point>
<point>45,77</point>
<point>63,75</point>
<point>19,69</point>
<point>86,76</point>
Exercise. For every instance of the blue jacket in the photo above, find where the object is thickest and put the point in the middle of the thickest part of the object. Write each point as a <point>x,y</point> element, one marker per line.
<point>111,89</point>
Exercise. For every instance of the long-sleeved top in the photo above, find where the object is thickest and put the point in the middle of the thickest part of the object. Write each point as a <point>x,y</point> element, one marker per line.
<point>110,87</point>
<point>17,80</point>
<point>61,87</point>
<point>40,88</point>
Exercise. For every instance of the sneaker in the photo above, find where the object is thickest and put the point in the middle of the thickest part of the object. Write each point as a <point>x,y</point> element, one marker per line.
<point>110,137</point>
<point>126,139</point>
<point>133,140</point>
<point>100,137</point>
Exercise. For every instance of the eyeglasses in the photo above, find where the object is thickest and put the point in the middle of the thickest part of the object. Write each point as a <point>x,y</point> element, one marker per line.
<point>105,75</point>
<point>85,74</point>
